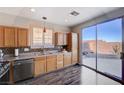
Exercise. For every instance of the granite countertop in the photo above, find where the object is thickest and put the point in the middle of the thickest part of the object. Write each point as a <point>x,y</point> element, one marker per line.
<point>10,58</point>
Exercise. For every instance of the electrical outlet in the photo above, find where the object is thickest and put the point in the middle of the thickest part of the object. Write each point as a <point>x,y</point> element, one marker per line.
<point>26,49</point>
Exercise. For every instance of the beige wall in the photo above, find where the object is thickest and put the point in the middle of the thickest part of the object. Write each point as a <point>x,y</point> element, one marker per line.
<point>105,17</point>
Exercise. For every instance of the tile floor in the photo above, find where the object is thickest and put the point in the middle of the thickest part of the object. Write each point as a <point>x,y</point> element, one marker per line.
<point>89,77</point>
<point>74,75</point>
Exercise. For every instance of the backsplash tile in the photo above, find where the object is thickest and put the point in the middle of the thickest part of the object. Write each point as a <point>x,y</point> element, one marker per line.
<point>8,51</point>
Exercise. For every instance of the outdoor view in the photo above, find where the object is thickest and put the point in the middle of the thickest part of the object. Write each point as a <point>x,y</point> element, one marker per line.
<point>104,41</point>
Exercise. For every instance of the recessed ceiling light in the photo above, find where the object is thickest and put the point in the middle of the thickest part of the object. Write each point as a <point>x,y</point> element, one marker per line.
<point>66,20</point>
<point>32,10</point>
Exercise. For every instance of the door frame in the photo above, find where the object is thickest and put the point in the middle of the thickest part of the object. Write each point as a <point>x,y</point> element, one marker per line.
<point>81,59</point>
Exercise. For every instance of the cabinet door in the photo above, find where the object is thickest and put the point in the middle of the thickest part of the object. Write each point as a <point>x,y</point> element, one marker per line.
<point>40,66</point>
<point>37,37</point>
<point>67,59</point>
<point>74,48</point>
<point>1,37</point>
<point>48,37</point>
<point>22,37</point>
<point>64,39</point>
<point>9,36</point>
<point>74,57</point>
<point>74,41</point>
<point>59,61</point>
<point>59,38</point>
<point>51,63</point>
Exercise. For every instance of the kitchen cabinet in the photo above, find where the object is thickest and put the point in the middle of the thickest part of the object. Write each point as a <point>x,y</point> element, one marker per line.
<point>9,37</point>
<point>37,37</point>
<point>1,37</point>
<point>39,65</point>
<point>74,57</point>
<point>48,37</point>
<point>73,46</point>
<point>60,61</point>
<point>51,63</point>
<point>61,38</point>
<point>22,37</point>
<point>64,38</point>
<point>67,59</point>
<point>13,37</point>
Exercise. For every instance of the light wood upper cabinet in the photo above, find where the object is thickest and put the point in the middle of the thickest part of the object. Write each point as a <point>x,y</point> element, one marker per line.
<point>48,37</point>
<point>1,37</point>
<point>9,37</point>
<point>60,38</point>
<point>13,37</point>
<point>22,37</point>
<point>39,65</point>
<point>37,37</point>
<point>51,63</point>
<point>65,38</point>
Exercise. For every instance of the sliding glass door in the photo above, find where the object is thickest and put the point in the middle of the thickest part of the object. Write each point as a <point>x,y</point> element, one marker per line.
<point>109,47</point>
<point>89,46</point>
<point>102,46</point>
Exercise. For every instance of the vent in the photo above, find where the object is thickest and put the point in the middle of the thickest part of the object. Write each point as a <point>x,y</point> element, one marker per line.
<point>44,18</point>
<point>74,13</point>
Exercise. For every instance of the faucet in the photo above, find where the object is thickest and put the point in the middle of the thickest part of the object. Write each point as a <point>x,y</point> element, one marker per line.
<point>44,51</point>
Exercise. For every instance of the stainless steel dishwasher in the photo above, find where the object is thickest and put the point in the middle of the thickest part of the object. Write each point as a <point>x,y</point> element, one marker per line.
<point>23,69</point>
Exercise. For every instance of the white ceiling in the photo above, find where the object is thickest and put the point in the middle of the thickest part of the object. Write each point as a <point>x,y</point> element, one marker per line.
<point>58,15</point>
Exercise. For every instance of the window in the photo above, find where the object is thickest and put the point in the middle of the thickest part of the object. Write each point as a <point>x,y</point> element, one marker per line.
<point>102,46</point>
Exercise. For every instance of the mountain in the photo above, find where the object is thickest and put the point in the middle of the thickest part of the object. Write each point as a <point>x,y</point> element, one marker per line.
<point>103,47</point>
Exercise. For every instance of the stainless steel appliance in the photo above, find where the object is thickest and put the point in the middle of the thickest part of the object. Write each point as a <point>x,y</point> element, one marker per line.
<point>23,69</point>
<point>4,73</point>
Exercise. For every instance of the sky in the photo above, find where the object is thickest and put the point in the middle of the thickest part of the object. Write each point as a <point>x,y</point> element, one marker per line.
<point>110,31</point>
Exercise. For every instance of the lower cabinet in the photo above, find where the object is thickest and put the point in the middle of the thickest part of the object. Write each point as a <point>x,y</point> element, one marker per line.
<point>60,61</point>
<point>74,57</point>
<point>67,59</point>
<point>39,66</point>
<point>51,63</point>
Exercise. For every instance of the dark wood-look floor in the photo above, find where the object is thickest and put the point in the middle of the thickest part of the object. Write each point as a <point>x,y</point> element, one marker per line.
<point>67,76</point>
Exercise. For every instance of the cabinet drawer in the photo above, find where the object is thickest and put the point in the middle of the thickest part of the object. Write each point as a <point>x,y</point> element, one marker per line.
<point>60,58</point>
<point>67,54</point>
<point>40,59</point>
<point>51,59</point>
<point>59,55</point>
<point>51,56</point>
<point>60,62</point>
